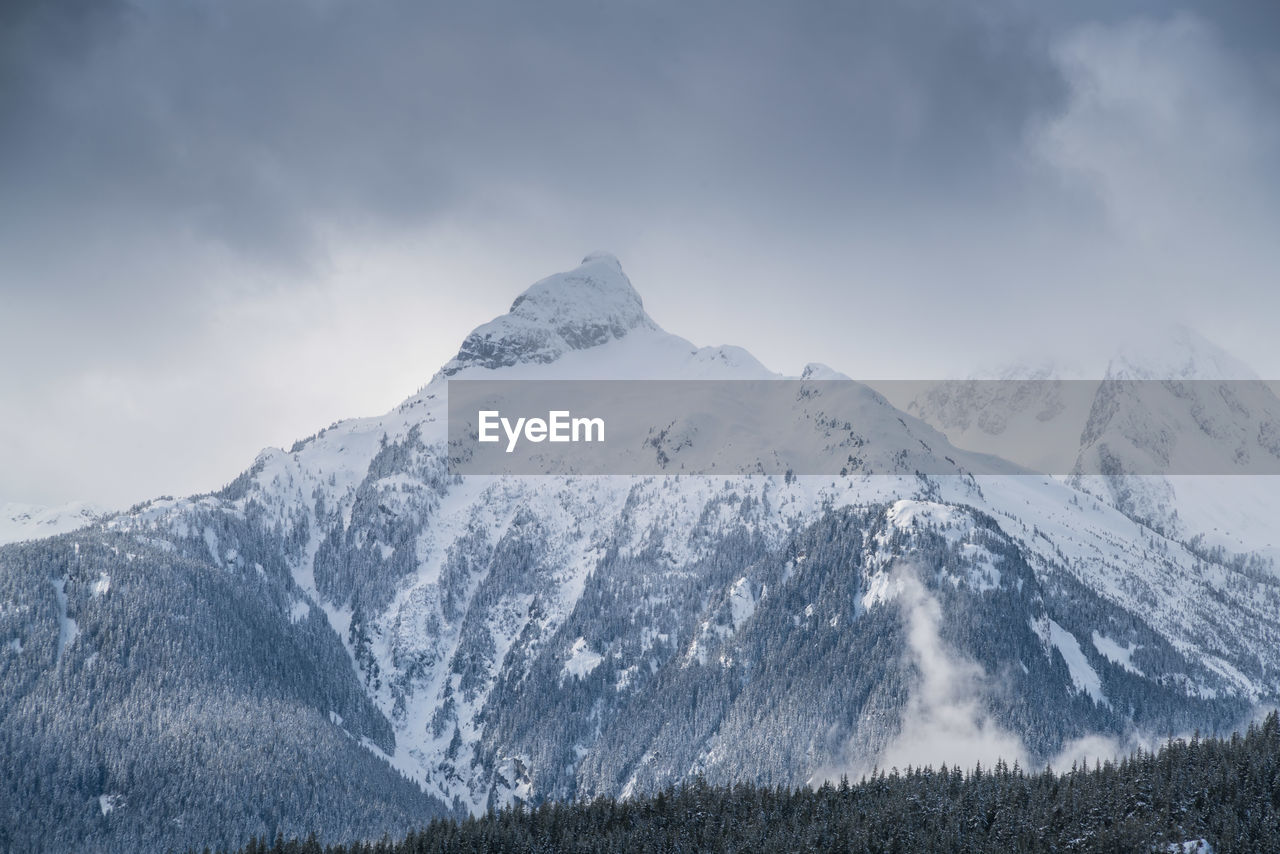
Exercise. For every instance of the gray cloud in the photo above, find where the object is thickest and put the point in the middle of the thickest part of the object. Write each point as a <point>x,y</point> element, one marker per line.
<point>249,124</point>
<point>185,183</point>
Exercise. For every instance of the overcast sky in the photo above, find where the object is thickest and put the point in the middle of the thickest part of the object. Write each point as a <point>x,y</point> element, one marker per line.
<point>226,224</point>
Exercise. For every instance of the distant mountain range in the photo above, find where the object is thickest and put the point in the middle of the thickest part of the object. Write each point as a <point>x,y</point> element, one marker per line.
<point>1179,403</point>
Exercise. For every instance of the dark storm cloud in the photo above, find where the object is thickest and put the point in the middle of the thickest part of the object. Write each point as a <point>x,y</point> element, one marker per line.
<point>148,143</point>
<point>165,163</point>
<point>250,124</point>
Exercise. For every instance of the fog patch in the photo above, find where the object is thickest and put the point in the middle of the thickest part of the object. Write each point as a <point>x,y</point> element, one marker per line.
<point>1088,750</point>
<point>944,720</point>
<point>1095,748</point>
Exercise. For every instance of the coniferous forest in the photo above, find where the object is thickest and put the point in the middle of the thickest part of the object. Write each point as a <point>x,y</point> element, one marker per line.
<point>1212,794</point>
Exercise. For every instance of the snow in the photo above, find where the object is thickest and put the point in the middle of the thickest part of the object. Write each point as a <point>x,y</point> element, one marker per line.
<point>1032,418</point>
<point>299,611</point>
<point>1175,351</point>
<point>1190,846</point>
<point>625,677</point>
<point>819,371</point>
<point>1083,675</point>
<point>581,661</point>
<point>579,309</point>
<point>32,521</point>
<point>983,574</point>
<point>1233,675</point>
<point>211,540</point>
<point>1237,513</point>
<point>1107,552</point>
<point>1205,425</point>
<point>882,587</point>
<point>1115,653</point>
<point>109,803</point>
<point>68,629</point>
<point>741,603</point>
<point>957,525</point>
<point>102,585</point>
<point>906,514</point>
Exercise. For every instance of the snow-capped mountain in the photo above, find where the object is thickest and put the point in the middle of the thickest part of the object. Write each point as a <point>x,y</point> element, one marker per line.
<point>349,603</point>
<point>1192,409</point>
<point>1178,434</point>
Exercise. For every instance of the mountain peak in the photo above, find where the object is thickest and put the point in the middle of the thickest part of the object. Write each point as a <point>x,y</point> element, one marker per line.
<point>1175,353</point>
<point>585,307</point>
<point>601,256</point>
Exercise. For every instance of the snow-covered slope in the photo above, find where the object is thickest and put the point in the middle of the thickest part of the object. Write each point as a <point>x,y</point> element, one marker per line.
<point>1178,434</point>
<point>1031,414</point>
<point>32,521</point>
<point>560,636</point>
<point>1199,413</point>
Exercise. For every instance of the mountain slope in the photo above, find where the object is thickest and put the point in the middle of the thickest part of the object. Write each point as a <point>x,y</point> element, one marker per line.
<point>152,698</point>
<point>557,636</point>
<point>1174,435</point>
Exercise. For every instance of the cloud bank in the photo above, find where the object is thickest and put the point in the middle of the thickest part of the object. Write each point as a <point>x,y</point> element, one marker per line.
<point>229,223</point>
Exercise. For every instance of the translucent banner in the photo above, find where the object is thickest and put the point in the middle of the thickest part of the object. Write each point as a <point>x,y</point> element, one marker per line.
<point>843,427</point>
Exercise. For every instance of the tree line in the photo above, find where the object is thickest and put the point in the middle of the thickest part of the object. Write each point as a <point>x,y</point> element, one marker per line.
<point>1222,792</point>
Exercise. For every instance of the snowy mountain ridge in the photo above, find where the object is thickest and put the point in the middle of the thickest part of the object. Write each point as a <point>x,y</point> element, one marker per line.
<point>30,521</point>
<point>1170,400</point>
<point>561,636</point>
